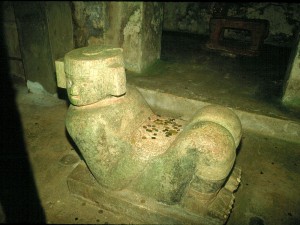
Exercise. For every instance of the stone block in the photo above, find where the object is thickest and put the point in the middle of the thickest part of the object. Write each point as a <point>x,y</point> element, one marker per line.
<point>144,210</point>
<point>60,73</point>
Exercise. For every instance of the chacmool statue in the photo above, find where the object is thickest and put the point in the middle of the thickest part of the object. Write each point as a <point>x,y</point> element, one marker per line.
<point>126,145</point>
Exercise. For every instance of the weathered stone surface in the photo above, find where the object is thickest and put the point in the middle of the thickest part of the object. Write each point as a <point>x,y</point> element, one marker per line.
<point>223,116</point>
<point>94,73</point>
<point>102,132</point>
<point>16,68</point>
<point>60,73</point>
<point>291,95</point>
<point>203,151</point>
<point>144,210</point>
<point>192,17</point>
<point>111,129</point>
<point>11,40</point>
<point>88,21</point>
<point>151,39</point>
<point>136,27</point>
<point>45,31</point>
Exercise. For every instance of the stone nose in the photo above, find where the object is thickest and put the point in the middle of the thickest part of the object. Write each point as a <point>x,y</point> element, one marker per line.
<point>74,90</point>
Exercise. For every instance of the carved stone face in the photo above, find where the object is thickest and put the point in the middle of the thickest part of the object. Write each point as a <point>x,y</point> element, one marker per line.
<point>94,74</point>
<point>84,90</point>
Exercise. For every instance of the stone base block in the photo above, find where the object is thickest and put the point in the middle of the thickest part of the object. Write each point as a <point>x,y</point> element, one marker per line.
<point>142,209</point>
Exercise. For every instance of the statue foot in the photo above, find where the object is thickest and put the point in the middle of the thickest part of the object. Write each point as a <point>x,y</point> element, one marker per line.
<point>234,180</point>
<point>221,206</point>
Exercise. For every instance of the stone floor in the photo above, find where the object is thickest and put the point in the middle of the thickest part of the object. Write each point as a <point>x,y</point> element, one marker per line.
<point>269,192</point>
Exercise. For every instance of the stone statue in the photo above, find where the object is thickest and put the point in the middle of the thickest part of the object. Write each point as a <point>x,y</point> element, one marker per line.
<point>126,145</point>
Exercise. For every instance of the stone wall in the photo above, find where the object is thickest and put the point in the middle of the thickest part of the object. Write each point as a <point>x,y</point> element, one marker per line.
<point>45,34</point>
<point>92,22</point>
<point>152,21</point>
<point>124,29</point>
<point>12,40</point>
<point>134,26</point>
<point>88,22</point>
<point>193,17</point>
<point>291,96</point>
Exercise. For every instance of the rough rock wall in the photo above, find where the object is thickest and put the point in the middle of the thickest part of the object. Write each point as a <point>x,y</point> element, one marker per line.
<point>291,95</point>
<point>131,35</point>
<point>193,17</point>
<point>189,17</point>
<point>45,34</point>
<point>88,22</point>
<point>153,19</point>
<point>12,40</point>
<point>141,34</point>
<point>136,28</point>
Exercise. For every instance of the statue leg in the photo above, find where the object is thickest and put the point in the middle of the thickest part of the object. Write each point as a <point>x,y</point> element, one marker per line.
<point>215,180</point>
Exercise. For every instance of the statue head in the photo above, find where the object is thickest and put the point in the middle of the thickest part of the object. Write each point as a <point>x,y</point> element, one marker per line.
<point>94,73</point>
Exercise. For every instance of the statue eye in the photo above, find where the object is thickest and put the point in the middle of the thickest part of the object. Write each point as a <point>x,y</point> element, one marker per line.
<point>69,83</point>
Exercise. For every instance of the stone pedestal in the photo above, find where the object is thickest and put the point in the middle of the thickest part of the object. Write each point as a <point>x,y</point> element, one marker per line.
<point>136,27</point>
<point>142,209</point>
<point>45,31</point>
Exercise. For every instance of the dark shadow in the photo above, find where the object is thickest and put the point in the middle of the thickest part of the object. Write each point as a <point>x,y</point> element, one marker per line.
<point>239,147</point>
<point>273,66</point>
<point>18,193</point>
<point>63,95</point>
